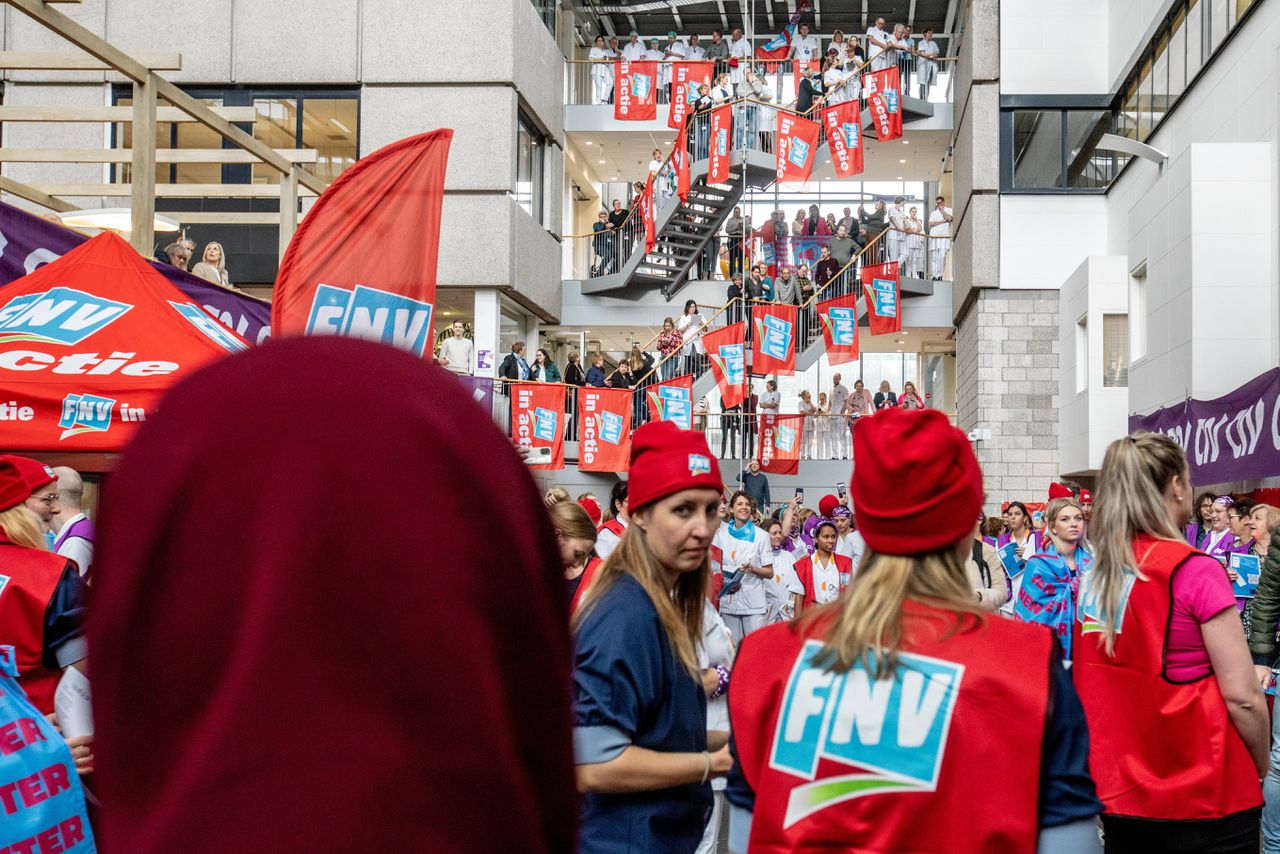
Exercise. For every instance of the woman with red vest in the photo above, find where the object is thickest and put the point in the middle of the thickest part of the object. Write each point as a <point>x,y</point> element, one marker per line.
<point>824,573</point>
<point>640,703</point>
<point>1176,713</point>
<point>864,725</point>
<point>42,597</point>
<point>616,525</point>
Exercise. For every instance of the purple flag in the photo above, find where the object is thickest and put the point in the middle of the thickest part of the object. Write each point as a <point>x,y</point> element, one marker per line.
<point>1233,437</point>
<point>28,241</point>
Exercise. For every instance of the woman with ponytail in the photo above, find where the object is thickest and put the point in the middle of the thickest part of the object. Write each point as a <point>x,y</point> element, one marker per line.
<point>640,703</point>
<point>1052,577</point>
<point>864,724</point>
<point>1176,715</point>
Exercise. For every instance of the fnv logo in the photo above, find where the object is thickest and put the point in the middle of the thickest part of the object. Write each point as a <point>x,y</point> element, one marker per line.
<point>891,100</point>
<point>611,428</point>
<point>57,316</point>
<point>722,141</point>
<point>544,424</point>
<point>672,404</point>
<point>894,729</point>
<point>733,362</point>
<point>885,292</point>
<point>799,152</point>
<point>371,315</point>
<point>785,440</point>
<point>775,336</point>
<point>90,413</point>
<point>211,328</point>
<point>699,464</point>
<point>852,134</point>
<point>841,322</point>
<point>641,84</point>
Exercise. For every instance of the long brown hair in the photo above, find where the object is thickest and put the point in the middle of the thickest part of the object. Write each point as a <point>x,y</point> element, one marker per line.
<point>1135,473</point>
<point>869,625</point>
<point>679,610</point>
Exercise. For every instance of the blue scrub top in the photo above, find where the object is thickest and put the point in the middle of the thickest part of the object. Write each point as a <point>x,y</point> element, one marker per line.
<point>629,688</point>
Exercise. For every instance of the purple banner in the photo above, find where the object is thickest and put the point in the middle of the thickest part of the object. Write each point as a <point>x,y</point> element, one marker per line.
<point>1234,437</point>
<point>27,241</point>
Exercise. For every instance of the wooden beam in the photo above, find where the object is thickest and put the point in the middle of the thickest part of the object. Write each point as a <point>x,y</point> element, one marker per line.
<point>172,191</point>
<point>31,194</point>
<point>31,60</point>
<point>288,209</point>
<point>12,113</point>
<point>224,217</point>
<point>163,155</point>
<point>94,44</point>
<point>142,202</point>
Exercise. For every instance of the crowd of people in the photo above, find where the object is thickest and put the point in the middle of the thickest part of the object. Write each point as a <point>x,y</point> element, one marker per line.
<point>657,665</point>
<point>211,267</point>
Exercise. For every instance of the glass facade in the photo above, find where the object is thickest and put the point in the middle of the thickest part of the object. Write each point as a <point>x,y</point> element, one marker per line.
<point>531,191</point>
<point>1115,351</point>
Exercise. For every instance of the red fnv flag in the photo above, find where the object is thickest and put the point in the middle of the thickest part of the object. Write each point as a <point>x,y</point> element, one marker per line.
<point>778,451</point>
<point>686,77</point>
<point>635,96</point>
<point>537,419</point>
<point>884,300</point>
<point>721,125</point>
<point>604,428</point>
<point>844,135</point>
<point>726,349</point>
<point>363,262</point>
<point>672,401</point>
<point>797,147</point>
<point>773,348</point>
<point>647,216</point>
<point>884,100</point>
<point>839,320</point>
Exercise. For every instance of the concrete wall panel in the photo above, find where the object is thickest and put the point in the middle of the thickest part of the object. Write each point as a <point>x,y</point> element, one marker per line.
<point>302,41</point>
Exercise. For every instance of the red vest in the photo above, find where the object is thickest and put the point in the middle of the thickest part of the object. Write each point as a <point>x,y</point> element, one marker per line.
<point>588,573</point>
<point>613,526</point>
<point>804,571</point>
<point>32,576</point>
<point>841,762</point>
<point>1158,749</point>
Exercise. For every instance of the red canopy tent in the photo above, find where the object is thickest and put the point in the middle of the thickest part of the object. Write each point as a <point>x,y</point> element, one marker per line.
<point>88,346</point>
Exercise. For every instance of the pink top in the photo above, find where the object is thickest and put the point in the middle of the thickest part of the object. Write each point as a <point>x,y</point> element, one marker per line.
<point>1201,591</point>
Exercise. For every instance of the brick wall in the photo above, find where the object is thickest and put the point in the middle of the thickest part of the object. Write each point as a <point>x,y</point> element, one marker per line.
<point>1007,381</point>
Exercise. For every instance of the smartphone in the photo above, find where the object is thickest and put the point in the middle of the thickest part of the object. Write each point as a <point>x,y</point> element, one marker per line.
<point>800,495</point>
<point>538,457</point>
<point>840,489</point>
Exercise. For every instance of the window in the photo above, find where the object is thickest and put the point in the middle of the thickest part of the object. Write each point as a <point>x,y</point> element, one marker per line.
<point>1037,148</point>
<point>1082,354</point>
<point>1115,351</point>
<point>1195,38</point>
<point>547,12</point>
<point>1086,165</point>
<point>530,154</point>
<point>1160,81</point>
<point>1138,314</point>
<point>1218,24</point>
<point>1178,56</point>
<point>1144,100</point>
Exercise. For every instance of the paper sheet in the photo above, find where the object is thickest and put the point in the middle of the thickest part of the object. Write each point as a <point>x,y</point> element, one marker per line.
<point>73,703</point>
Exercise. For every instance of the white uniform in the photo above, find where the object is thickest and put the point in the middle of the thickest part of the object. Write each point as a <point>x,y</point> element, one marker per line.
<point>841,49</point>
<point>781,586</point>
<point>695,53</point>
<point>851,545</point>
<point>895,240</point>
<point>805,47</point>
<point>672,52</point>
<point>78,549</point>
<point>939,241</point>
<point>837,433</point>
<point>745,610</point>
<point>741,51</point>
<point>601,74</point>
<point>835,93</point>
<point>716,648</point>
<point>915,247</point>
<point>826,580</point>
<point>634,51</point>
<point>879,60</point>
<point>927,69</point>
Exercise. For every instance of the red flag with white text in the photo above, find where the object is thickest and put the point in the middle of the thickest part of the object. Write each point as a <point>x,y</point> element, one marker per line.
<point>882,89</point>
<point>778,450</point>
<point>672,401</point>
<point>727,352</point>
<point>363,262</point>
<point>686,77</point>
<point>537,419</point>
<point>604,428</point>
<point>884,299</point>
<point>844,136</point>
<point>680,159</point>
<point>839,321</point>
<point>635,91</point>
<point>773,349</point>
<point>797,147</point>
<point>721,127</point>
<point>647,216</point>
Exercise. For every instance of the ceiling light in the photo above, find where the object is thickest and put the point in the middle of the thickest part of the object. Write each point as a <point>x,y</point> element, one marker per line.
<point>112,219</point>
<point>902,161</point>
<point>906,142</point>
<point>600,161</point>
<point>588,142</point>
<point>899,177</point>
<point>340,126</point>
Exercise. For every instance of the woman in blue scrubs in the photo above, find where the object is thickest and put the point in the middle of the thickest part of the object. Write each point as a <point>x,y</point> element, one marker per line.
<point>640,708</point>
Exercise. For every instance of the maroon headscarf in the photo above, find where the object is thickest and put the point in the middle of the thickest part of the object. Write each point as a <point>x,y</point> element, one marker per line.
<point>329,616</point>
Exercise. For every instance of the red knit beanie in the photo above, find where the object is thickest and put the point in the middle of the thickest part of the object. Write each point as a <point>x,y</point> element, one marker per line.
<point>665,460</point>
<point>916,485</point>
<point>1086,497</point>
<point>35,473</point>
<point>1057,490</point>
<point>592,507</point>
<point>13,486</point>
<point>827,504</point>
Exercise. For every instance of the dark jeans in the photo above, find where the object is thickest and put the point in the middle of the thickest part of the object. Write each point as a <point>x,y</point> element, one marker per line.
<point>729,423</point>
<point>1235,834</point>
<point>735,255</point>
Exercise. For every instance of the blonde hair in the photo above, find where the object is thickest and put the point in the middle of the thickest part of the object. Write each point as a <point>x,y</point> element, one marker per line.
<point>555,495</point>
<point>869,625</point>
<point>22,527</point>
<point>1272,514</point>
<point>571,520</point>
<point>1051,512</point>
<point>1135,473</point>
<point>679,610</point>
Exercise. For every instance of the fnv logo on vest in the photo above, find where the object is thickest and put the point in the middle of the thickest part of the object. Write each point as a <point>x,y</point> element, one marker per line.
<point>58,316</point>
<point>371,315</point>
<point>894,729</point>
<point>90,413</point>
